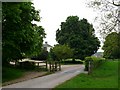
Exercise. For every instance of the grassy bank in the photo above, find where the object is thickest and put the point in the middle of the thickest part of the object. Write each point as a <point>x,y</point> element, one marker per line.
<point>105,76</point>
<point>12,73</point>
<point>9,73</point>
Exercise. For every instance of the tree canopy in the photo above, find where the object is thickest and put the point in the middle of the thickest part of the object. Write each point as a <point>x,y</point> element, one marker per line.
<point>109,15</point>
<point>21,38</point>
<point>59,52</point>
<point>111,46</point>
<point>78,35</point>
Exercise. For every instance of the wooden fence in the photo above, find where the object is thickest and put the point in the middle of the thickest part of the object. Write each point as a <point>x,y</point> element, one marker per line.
<point>50,66</point>
<point>54,66</point>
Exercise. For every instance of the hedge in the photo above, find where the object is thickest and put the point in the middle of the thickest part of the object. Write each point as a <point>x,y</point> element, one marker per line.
<point>92,63</point>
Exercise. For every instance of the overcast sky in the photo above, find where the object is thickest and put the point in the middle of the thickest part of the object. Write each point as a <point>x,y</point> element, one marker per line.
<point>53,12</point>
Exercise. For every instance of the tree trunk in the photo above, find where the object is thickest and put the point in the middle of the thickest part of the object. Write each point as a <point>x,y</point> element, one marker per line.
<point>73,59</point>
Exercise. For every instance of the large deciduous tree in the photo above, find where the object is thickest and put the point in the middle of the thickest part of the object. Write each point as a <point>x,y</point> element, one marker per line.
<point>79,35</point>
<point>109,15</point>
<point>109,21</point>
<point>111,46</point>
<point>21,38</point>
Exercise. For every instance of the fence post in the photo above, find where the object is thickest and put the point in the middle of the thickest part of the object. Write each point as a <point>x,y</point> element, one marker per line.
<point>59,66</point>
<point>53,67</point>
<point>50,65</point>
<point>88,67</point>
<point>46,65</point>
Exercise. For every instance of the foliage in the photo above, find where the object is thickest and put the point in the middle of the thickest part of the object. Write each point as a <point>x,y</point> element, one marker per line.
<point>111,46</point>
<point>42,56</point>
<point>27,65</point>
<point>94,62</point>
<point>59,52</point>
<point>105,76</point>
<point>78,35</point>
<point>69,61</point>
<point>108,15</point>
<point>21,38</point>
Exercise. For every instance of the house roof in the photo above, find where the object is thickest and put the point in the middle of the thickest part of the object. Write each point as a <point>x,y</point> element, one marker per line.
<point>98,54</point>
<point>46,45</point>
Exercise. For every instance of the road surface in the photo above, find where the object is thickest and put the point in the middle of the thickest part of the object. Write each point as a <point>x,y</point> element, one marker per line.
<point>50,81</point>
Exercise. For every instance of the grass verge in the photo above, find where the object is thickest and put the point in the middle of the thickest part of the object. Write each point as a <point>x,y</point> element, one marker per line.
<point>9,73</point>
<point>105,76</point>
<point>12,73</point>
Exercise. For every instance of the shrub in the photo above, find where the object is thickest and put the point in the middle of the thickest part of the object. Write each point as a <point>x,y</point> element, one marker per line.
<point>59,52</point>
<point>93,61</point>
<point>27,65</point>
<point>42,56</point>
<point>87,59</point>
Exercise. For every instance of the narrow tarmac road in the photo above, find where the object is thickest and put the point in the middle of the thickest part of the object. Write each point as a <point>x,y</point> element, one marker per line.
<point>52,80</point>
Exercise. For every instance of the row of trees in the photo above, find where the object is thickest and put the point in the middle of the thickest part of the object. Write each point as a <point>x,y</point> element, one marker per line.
<point>76,37</point>
<point>21,38</point>
<point>109,22</point>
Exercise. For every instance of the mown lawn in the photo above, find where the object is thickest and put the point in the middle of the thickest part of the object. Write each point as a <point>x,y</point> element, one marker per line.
<point>105,76</point>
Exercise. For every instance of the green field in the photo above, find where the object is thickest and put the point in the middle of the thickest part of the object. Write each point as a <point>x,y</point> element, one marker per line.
<point>105,76</point>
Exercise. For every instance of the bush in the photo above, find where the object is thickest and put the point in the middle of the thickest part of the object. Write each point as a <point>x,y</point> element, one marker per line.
<point>87,59</point>
<point>94,62</point>
<point>27,65</point>
<point>42,56</point>
<point>59,52</point>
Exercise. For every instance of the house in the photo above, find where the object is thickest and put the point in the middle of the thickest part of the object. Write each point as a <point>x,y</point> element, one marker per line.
<point>98,54</point>
<point>47,47</point>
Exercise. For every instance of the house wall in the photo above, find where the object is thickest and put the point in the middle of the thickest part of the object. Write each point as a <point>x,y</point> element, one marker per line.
<point>48,49</point>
